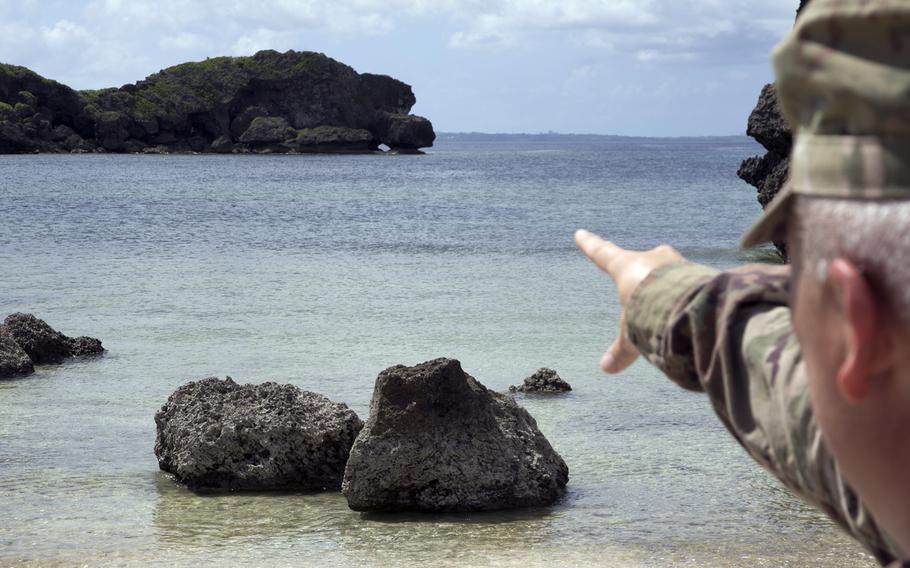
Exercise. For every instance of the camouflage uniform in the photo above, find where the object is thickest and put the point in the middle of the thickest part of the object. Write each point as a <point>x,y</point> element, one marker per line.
<point>729,334</point>
<point>843,79</point>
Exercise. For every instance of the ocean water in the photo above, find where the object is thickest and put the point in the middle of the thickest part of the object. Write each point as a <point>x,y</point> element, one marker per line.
<point>323,270</point>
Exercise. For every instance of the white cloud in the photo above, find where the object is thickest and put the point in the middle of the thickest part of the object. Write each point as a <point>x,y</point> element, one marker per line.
<point>63,34</point>
<point>13,33</point>
<point>487,31</point>
<point>648,55</point>
<point>493,64</point>
<point>183,41</point>
<point>258,40</point>
<point>649,30</point>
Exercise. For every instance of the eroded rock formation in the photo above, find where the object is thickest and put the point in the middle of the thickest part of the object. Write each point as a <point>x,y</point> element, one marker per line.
<point>544,380</point>
<point>217,435</point>
<point>438,440</point>
<point>292,102</point>
<point>768,127</point>
<point>24,334</point>
<point>14,362</point>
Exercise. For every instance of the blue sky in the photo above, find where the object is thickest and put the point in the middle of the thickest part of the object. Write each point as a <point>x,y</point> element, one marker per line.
<point>632,67</point>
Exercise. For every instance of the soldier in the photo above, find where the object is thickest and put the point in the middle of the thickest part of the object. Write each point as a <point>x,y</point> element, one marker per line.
<point>817,390</point>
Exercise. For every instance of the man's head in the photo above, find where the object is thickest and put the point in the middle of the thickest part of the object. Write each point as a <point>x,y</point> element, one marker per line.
<point>851,308</point>
<point>843,82</point>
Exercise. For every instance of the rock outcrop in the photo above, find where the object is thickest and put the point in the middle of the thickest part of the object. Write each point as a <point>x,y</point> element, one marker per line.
<point>44,344</point>
<point>438,440</point>
<point>14,362</point>
<point>217,435</point>
<point>769,128</point>
<point>31,109</point>
<point>292,102</point>
<point>543,381</point>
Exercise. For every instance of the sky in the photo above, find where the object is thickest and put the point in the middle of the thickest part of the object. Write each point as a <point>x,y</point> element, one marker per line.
<point>625,67</point>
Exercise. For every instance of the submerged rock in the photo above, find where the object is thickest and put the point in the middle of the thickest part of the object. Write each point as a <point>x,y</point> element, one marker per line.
<point>44,344</point>
<point>545,381</point>
<point>217,435</point>
<point>14,362</point>
<point>438,440</point>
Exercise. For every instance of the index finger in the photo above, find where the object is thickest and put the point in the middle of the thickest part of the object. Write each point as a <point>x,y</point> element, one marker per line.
<point>602,253</point>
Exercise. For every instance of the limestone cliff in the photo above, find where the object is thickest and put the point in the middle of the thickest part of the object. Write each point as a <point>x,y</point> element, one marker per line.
<point>769,128</point>
<point>292,102</point>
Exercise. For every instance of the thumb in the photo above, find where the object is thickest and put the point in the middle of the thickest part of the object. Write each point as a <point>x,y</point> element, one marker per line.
<point>621,354</point>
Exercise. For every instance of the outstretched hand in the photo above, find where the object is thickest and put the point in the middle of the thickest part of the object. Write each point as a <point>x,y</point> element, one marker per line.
<point>628,269</point>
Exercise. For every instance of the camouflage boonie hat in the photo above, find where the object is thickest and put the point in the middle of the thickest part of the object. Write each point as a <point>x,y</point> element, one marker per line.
<point>843,83</point>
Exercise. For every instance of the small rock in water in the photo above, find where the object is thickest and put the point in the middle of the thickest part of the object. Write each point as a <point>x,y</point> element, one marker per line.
<point>438,440</point>
<point>44,344</point>
<point>544,380</point>
<point>14,362</point>
<point>84,346</point>
<point>217,435</point>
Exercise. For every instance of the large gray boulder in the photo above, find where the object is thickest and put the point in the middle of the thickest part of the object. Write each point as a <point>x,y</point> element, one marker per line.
<point>14,362</point>
<point>544,380</point>
<point>267,130</point>
<point>438,440</point>
<point>405,131</point>
<point>46,345</point>
<point>217,435</point>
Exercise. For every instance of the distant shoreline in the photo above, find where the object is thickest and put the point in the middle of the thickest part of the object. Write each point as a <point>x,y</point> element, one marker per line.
<point>442,135</point>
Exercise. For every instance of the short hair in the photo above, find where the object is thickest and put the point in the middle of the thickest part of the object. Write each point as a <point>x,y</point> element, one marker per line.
<point>873,234</point>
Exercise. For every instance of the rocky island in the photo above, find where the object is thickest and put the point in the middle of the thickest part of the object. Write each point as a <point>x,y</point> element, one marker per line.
<point>292,102</point>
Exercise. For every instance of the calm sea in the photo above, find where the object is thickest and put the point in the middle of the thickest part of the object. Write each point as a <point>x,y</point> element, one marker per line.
<point>323,270</point>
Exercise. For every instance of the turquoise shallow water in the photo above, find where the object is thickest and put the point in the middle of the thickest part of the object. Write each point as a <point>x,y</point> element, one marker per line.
<point>323,270</point>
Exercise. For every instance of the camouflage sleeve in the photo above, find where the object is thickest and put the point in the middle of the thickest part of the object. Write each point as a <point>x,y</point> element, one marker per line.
<point>729,335</point>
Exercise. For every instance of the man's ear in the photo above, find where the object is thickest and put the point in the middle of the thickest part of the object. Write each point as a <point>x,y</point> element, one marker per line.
<point>865,338</point>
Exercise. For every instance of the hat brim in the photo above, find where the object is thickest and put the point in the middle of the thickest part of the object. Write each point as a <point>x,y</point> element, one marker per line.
<point>773,224</point>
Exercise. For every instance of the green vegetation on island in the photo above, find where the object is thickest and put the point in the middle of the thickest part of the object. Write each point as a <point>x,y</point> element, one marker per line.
<point>292,102</point>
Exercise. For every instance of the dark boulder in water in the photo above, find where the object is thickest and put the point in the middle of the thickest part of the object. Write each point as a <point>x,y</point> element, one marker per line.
<point>543,381</point>
<point>14,362</point>
<point>405,133</point>
<point>44,344</point>
<point>217,435</point>
<point>438,440</point>
<point>83,346</point>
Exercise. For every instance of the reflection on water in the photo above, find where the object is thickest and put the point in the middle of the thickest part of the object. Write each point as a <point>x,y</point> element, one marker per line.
<point>233,526</point>
<point>182,517</point>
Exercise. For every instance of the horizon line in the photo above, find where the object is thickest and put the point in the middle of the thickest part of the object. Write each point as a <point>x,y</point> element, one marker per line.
<point>588,134</point>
